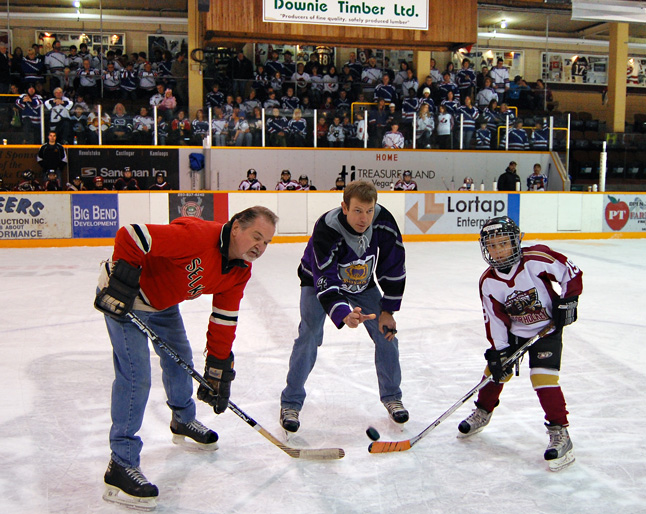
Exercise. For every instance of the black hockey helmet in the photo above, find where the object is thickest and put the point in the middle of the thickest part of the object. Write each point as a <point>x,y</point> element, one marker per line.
<point>28,175</point>
<point>76,178</point>
<point>286,172</point>
<point>160,174</point>
<point>495,231</point>
<point>51,172</point>
<point>251,171</point>
<point>303,177</point>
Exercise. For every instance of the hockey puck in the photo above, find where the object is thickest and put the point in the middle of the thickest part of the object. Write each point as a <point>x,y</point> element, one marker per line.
<point>372,433</point>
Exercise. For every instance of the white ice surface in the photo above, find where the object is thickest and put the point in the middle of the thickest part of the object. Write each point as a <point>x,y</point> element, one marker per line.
<point>56,373</point>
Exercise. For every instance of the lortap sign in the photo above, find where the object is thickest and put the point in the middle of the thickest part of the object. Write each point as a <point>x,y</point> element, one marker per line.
<point>413,14</point>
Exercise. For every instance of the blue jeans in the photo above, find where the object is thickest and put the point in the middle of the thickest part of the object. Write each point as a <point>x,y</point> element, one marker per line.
<point>131,386</point>
<point>310,337</point>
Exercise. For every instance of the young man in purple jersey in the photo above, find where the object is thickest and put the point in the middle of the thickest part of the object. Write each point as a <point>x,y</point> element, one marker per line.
<point>519,300</point>
<point>352,248</point>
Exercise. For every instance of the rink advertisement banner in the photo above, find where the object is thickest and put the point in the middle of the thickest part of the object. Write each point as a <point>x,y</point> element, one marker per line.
<point>109,163</point>
<point>34,216</point>
<point>624,213</point>
<point>452,213</point>
<point>196,205</point>
<point>411,14</point>
<point>95,215</point>
<point>431,170</point>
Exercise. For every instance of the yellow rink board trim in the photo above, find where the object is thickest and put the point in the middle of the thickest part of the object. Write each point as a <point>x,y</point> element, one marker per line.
<point>411,238</point>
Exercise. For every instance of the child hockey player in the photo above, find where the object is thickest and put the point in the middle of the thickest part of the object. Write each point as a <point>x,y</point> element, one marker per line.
<point>519,301</point>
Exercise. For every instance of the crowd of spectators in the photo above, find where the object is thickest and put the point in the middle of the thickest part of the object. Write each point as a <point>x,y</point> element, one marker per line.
<point>450,108</point>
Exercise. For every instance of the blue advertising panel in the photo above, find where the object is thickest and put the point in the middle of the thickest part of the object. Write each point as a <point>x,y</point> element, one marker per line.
<point>95,215</point>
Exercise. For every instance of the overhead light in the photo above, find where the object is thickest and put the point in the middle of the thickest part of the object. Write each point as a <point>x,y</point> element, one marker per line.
<point>503,24</point>
<point>77,4</point>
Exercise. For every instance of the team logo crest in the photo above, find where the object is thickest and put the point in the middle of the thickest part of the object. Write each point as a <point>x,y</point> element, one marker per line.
<point>356,275</point>
<point>192,208</point>
<point>525,307</point>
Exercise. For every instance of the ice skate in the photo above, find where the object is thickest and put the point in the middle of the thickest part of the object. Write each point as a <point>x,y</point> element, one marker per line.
<point>396,411</point>
<point>559,453</point>
<point>473,424</point>
<point>129,487</point>
<point>289,420</point>
<point>205,438</point>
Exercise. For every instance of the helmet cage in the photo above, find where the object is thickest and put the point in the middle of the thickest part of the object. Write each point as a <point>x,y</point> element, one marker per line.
<point>501,227</point>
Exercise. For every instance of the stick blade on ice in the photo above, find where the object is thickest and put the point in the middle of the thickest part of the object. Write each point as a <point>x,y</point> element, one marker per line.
<point>389,446</point>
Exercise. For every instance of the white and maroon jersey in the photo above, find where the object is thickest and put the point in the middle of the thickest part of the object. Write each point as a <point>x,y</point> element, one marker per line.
<point>290,185</point>
<point>402,185</point>
<point>181,261</point>
<point>521,301</point>
<point>247,185</point>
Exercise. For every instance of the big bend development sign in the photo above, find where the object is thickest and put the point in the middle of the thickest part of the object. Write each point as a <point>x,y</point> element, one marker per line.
<point>404,14</point>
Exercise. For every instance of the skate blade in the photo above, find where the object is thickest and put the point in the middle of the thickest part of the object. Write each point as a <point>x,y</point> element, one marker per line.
<point>470,433</point>
<point>562,462</point>
<point>115,495</point>
<point>189,443</point>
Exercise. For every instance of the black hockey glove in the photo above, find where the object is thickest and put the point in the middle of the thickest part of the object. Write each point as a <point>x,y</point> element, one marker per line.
<point>219,374</point>
<point>564,311</point>
<point>117,299</point>
<point>495,360</point>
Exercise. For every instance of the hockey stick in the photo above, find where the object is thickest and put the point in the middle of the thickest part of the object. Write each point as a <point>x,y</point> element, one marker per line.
<point>312,454</point>
<point>402,446</point>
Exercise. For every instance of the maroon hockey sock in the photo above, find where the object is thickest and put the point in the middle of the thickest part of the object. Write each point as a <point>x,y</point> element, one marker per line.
<point>553,404</point>
<point>488,396</point>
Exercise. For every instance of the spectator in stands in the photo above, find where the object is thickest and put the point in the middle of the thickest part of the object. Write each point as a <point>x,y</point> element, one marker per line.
<point>297,130</point>
<point>88,81</point>
<point>163,70</point>
<point>93,125</point>
<point>68,82</point>
<point>147,81</point>
<point>199,128</point>
<point>219,128</point>
<point>448,86</point>
<point>518,140</point>
<point>400,77</point>
<point>483,137</point>
<point>410,82</point>
<point>321,132</point>
<point>272,65</point>
<point>370,77</point>
<point>331,82</point>
<point>120,129</point>
<point>260,83</point>
<point>377,123</point>
<point>466,80</point>
<point>78,121</point>
<point>277,128</point>
<point>74,60</point>
<point>126,182</point>
<point>289,101</point>
<point>52,156</point>
<point>434,72</point>
<point>317,87</point>
<point>162,130</point>
<point>55,61</point>
<point>32,68</point>
<point>540,137</point>
<point>76,185</point>
<point>508,180</point>
<point>240,69</point>
<point>215,97</point>
<point>59,109</point>
<point>507,116</point>
<point>393,139</point>
<point>16,63</point>
<point>468,115</point>
<point>179,71</point>
<point>355,66</point>
<point>128,82</point>
<point>385,90</point>
<point>500,76</point>
<point>425,127</point>
<point>426,99</point>
<point>301,79</point>
<point>542,96</point>
<point>444,128</point>
<point>5,68</point>
<point>29,106</point>
<point>239,129</point>
<point>160,182</point>
<point>256,126</point>
<point>168,104</point>
<point>180,129</point>
<point>335,133</point>
<point>250,103</point>
<point>143,127</point>
<point>492,117</point>
<point>276,82</point>
<point>111,78</point>
<point>486,94</point>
